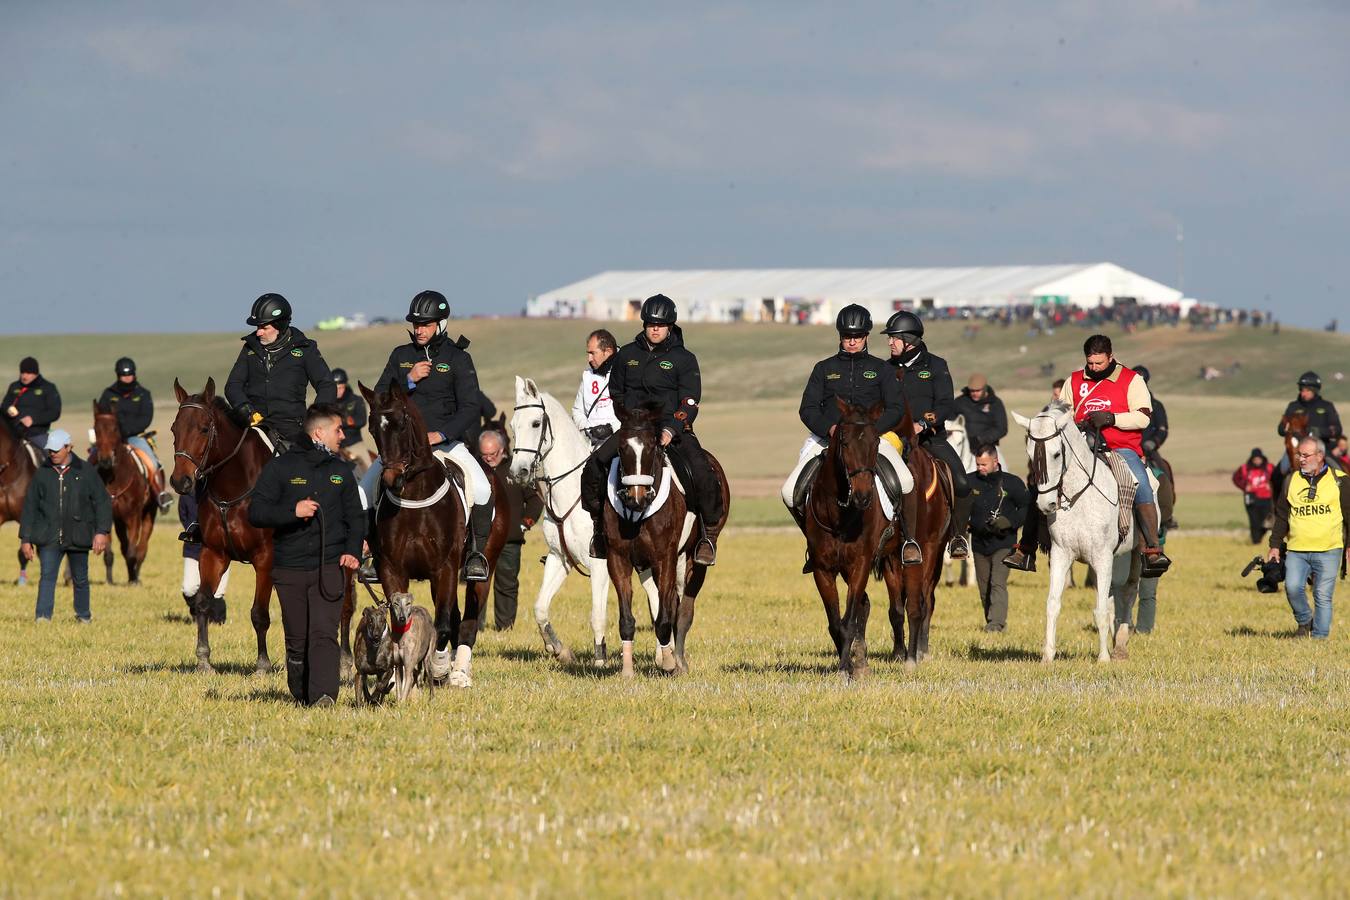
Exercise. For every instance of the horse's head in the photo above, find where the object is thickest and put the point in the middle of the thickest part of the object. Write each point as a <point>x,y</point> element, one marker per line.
<point>1295,429</point>
<point>107,437</point>
<point>640,458</point>
<point>399,432</point>
<point>959,437</point>
<point>195,431</point>
<point>1045,448</point>
<point>531,432</point>
<point>853,453</point>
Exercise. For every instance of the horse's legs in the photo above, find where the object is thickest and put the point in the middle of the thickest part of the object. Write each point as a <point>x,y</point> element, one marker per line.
<point>261,614</point>
<point>1061,560</point>
<point>475,603</point>
<point>599,602</point>
<point>555,573</point>
<point>894,583</point>
<point>210,568</point>
<point>668,587</point>
<point>621,574</point>
<point>853,655</point>
<point>692,586</point>
<point>1124,587</point>
<point>828,588</point>
<point>915,608</point>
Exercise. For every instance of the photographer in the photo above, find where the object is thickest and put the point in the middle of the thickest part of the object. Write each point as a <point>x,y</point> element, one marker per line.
<point>1000,506</point>
<point>1312,514</point>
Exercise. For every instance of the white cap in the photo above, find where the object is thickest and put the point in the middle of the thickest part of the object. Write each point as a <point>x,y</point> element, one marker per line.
<point>57,439</point>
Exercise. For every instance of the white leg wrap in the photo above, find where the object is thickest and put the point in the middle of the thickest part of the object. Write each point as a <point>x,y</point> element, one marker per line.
<point>459,674</point>
<point>192,577</point>
<point>884,448</point>
<point>813,447</point>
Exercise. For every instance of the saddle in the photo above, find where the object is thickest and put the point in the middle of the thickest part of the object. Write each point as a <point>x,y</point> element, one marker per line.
<point>149,471</point>
<point>35,453</point>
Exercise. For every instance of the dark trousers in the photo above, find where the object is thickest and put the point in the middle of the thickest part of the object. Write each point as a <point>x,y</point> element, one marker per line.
<point>311,625</point>
<point>1257,510</point>
<point>50,556</point>
<point>705,494</point>
<point>991,576</point>
<point>506,587</point>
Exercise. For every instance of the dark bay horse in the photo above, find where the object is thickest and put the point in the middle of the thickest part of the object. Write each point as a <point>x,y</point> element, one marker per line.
<point>223,460</point>
<point>420,528</point>
<point>663,542</point>
<point>928,513</point>
<point>131,488</point>
<point>843,525</point>
<point>16,471</point>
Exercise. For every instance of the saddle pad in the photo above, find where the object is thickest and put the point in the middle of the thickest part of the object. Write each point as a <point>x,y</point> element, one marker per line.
<point>612,486</point>
<point>446,486</point>
<point>265,439</point>
<point>1128,486</point>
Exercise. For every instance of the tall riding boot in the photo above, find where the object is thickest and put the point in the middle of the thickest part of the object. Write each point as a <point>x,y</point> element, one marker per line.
<point>599,548</point>
<point>1023,555</point>
<point>911,554</point>
<point>480,523</point>
<point>960,524</point>
<point>709,524</point>
<point>1155,561</point>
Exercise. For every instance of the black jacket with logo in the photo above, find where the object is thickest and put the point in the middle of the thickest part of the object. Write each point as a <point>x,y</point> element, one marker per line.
<point>1323,420</point>
<point>354,416</point>
<point>309,472</point>
<point>133,406</point>
<point>926,384</point>
<point>41,400</point>
<point>68,509</point>
<point>996,494</point>
<point>664,373</point>
<point>448,397</point>
<point>858,378</point>
<point>986,420</point>
<point>272,380</point>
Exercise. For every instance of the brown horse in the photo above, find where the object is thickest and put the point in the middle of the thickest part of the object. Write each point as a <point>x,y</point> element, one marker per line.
<point>420,528</point>
<point>16,471</point>
<point>132,489</point>
<point>1295,429</point>
<point>663,542</point>
<point>222,460</point>
<point>913,589</point>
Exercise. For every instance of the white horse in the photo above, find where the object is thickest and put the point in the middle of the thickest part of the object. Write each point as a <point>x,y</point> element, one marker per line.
<point>959,438</point>
<point>548,452</point>
<point>1081,502</point>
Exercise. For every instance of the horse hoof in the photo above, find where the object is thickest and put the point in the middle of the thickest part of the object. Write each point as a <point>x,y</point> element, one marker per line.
<point>566,657</point>
<point>1047,658</point>
<point>460,679</point>
<point>911,663</point>
<point>205,667</point>
<point>263,667</point>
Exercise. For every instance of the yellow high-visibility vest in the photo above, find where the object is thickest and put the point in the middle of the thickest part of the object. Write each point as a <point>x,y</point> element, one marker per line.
<point>1315,526</point>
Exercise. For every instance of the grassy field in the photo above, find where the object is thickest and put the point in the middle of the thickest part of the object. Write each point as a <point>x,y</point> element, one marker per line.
<point>1213,762</point>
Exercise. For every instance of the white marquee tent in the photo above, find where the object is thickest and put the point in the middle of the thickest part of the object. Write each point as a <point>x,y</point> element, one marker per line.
<point>814,295</point>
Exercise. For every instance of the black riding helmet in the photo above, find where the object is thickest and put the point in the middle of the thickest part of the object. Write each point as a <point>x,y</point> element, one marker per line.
<point>428,306</point>
<point>905,324</point>
<point>1310,380</point>
<point>658,310</point>
<point>125,366</point>
<point>270,309</point>
<point>853,321</point>
<point>339,376</point>
<point>1142,372</point>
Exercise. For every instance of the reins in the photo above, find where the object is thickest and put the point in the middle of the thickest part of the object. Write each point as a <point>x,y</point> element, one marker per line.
<point>545,486</point>
<point>1040,468</point>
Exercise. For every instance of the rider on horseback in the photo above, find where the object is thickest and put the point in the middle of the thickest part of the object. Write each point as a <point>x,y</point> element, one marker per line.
<point>1115,402</point>
<point>135,410</point>
<point>1323,420</point>
<point>861,379</point>
<point>926,384</point>
<point>593,409</point>
<point>354,415</point>
<point>441,380</point>
<point>32,404</point>
<point>266,387</point>
<point>656,368</point>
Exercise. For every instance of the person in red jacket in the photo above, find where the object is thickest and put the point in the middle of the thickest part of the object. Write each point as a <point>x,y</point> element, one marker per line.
<point>1253,478</point>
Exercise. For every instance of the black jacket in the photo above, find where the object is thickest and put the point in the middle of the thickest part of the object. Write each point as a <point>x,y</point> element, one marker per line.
<point>526,506</point>
<point>354,416</point>
<point>308,472</point>
<point>1323,420</point>
<point>859,378</point>
<point>986,420</point>
<point>65,510</point>
<point>926,384</point>
<point>996,494</point>
<point>1156,432</point>
<point>272,380</point>
<point>666,374</point>
<point>448,397</point>
<point>135,410</point>
<point>41,400</point>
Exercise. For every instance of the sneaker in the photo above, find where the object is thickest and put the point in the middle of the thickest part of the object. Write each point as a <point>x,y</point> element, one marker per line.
<point>43,620</point>
<point>79,621</point>
<point>325,700</point>
<point>1304,631</point>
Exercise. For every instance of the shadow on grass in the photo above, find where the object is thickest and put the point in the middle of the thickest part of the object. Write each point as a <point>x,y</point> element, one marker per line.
<point>1248,631</point>
<point>789,667</point>
<point>1002,654</point>
<point>189,668</point>
<point>524,654</point>
<point>182,618</point>
<point>257,695</point>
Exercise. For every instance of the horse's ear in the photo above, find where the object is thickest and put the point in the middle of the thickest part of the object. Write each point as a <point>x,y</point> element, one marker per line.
<point>366,392</point>
<point>210,393</point>
<point>1063,419</point>
<point>960,421</point>
<point>843,407</point>
<point>178,392</point>
<point>96,409</point>
<point>1021,419</point>
<point>531,389</point>
<point>520,389</point>
<point>875,410</point>
<point>621,412</point>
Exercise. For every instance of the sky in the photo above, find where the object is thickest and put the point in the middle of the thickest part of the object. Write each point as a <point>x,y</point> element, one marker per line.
<point>164,163</point>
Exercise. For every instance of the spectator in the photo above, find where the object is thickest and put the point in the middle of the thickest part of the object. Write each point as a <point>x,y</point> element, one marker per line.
<point>1341,454</point>
<point>986,419</point>
<point>1254,479</point>
<point>1311,517</point>
<point>999,509</point>
<point>66,514</point>
<point>525,512</point>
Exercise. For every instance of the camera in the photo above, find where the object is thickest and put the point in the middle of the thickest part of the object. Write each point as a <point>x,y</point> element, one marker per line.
<point>1272,573</point>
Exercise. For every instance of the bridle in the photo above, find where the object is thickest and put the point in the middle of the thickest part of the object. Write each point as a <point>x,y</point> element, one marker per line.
<point>628,482</point>
<point>1040,467</point>
<point>201,469</point>
<point>546,485</point>
<point>850,474</point>
<point>406,469</point>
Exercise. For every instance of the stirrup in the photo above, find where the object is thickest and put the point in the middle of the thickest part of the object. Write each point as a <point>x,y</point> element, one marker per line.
<point>366,574</point>
<point>1155,563</point>
<point>192,534</point>
<point>475,567</point>
<point>959,548</point>
<point>809,565</point>
<point>910,553</point>
<point>1025,562</point>
<point>709,558</point>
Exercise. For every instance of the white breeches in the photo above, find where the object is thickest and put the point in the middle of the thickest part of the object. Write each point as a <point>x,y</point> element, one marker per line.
<point>475,479</point>
<point>814,446</point>
<point>192,579</point>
